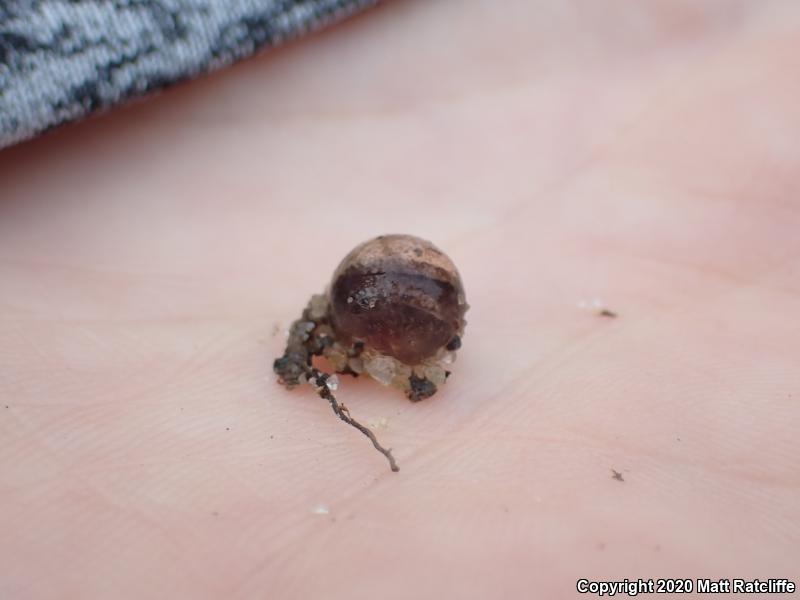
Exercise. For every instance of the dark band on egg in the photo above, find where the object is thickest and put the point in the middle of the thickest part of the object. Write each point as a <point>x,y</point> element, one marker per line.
<point>407,315</point>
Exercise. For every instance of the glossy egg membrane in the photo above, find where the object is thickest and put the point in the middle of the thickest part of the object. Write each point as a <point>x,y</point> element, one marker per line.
<point>400,296</point>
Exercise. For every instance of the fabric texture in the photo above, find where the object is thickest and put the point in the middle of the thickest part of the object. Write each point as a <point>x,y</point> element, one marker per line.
<point>63,59</point>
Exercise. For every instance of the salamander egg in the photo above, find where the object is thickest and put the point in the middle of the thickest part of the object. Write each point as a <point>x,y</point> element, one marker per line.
<point>399,295</point>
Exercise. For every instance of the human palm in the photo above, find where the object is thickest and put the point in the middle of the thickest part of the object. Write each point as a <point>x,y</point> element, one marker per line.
<point>644,155</point>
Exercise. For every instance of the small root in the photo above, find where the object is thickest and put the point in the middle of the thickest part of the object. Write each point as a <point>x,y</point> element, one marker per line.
<point>341,411</point>
<point>294,368</point>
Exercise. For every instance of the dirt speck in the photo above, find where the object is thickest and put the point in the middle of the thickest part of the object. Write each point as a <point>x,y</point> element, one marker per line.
<point>607,313</point>
<point>381,423</point>
<point>616,475</point>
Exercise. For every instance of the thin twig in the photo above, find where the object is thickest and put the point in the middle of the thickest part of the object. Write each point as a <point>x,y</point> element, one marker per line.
<point>344,414</point>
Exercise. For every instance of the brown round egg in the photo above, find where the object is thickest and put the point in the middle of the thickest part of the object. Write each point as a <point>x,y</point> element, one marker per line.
<point>399,295</point>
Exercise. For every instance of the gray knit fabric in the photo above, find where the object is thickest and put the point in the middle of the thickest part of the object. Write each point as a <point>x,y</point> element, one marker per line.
<point>63,59</point>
